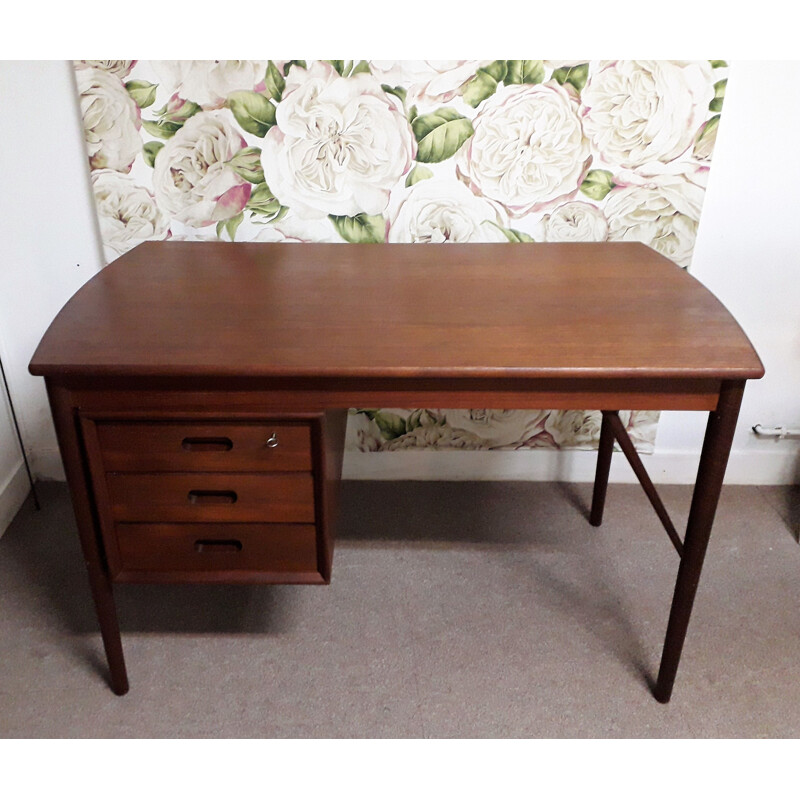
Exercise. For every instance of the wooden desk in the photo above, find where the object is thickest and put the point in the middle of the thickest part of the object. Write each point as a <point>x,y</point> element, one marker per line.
<point>199,390</point>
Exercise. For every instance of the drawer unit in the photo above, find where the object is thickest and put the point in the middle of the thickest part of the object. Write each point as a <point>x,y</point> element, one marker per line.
<point>185,446</point>
<point>188,498</point>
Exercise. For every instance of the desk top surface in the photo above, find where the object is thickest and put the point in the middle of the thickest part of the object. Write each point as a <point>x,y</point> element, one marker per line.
<point>578,310</point>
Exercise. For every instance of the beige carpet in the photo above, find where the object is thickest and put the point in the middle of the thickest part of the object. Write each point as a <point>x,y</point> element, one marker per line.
<point>456,610</point>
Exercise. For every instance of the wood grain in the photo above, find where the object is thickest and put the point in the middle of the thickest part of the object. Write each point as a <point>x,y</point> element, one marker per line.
<point>167,497</point>
<point>171,547</point>
<point>188,446</point>
<point>448,312</point>
<point>131,397</point>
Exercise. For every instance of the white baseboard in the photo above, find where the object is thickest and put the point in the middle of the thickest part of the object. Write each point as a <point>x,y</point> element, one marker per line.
<point>575,466</point>
<point>12,495</point>
<point>763,468</point>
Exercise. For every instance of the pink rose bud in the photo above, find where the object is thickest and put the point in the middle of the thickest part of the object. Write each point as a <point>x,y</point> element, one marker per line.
<point>179,110</point>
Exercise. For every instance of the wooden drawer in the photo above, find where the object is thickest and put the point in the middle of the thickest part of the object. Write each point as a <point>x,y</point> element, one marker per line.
<point>204,447</point>
<point>211,497</point>
<point>163,548</point>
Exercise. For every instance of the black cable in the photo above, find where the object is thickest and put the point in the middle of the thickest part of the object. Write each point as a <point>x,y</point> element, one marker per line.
<point>19,437</point>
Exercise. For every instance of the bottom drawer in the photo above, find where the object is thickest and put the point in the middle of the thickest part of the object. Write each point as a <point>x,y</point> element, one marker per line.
<point>207,548</point>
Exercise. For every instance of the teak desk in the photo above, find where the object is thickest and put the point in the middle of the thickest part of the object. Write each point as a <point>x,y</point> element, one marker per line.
<point>199,390</point>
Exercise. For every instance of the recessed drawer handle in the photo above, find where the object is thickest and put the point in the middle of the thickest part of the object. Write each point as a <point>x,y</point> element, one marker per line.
<point>218,545</point>
<point>204,497</point>
<point>207,444</point>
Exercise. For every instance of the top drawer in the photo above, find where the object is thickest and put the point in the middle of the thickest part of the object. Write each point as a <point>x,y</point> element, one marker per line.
<point>204,446</point>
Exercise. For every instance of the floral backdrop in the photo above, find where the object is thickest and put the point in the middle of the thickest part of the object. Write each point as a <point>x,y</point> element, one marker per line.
<point>408,151</point>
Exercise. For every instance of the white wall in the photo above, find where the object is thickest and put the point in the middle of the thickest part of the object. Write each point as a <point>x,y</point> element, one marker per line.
<point>746,253</point>
<point>13,478</point>
<point>48,230</point>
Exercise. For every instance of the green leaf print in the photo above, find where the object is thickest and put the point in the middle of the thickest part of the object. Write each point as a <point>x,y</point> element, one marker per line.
<point>440,134</point>
<point>289,64</point>
<point>150,151</point>
<point>362,66</point>
<point>397,91</point>
<point>247,164</point>
<point>515,236</point>
<point>576,76</point>
<point>274,81</point>
<point>349,68</point>
<point>597,184</point>
<point>360,229</point>
<point>483,85</point>
<point>719,95</point>
<point>142,92</point>
<point>253,112</point>
<point>391,425</point>
<point>230,226</point>
<point>524,72</point>
<point>263,203</point>
<point>708,129</point>
<point>177,110</point>
<point>419,173</point>
<point>497,70</point>
<point>163,128</point>
<point>420,417</point>
<point>337,65</point>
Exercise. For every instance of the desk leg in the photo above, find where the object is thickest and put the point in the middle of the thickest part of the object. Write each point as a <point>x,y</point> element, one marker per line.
<point>109,628</point>
<point>604,452</point>
<point>713,461</point>
<point>99,581</point>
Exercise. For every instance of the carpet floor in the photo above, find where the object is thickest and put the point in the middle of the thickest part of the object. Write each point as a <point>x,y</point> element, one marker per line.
<point>455,610</point>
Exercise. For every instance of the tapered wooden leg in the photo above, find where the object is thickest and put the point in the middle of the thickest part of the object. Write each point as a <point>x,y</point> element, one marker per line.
<point>99,580</point>
<point>604,452</point>
<point>710,473</point>
<point>109,629</point>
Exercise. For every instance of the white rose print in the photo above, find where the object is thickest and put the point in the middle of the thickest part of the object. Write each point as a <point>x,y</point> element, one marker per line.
<point>574,222</point>
<point>111,120</point>
<point>640,112</point>
<point>445,211</point>
<point>208,83</point>
<point>528,148</point>
<point>193,181</point>
<point>427,81</point>
<point>340,145</point>
<point>663,213</point>
<point>127,212</point>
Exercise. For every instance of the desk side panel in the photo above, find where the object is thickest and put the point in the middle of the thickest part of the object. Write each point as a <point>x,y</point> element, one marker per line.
<point>64,407</point>
<point>331,457</point>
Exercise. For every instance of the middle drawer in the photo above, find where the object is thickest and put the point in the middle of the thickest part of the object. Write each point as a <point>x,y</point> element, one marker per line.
<point>211,497</point>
